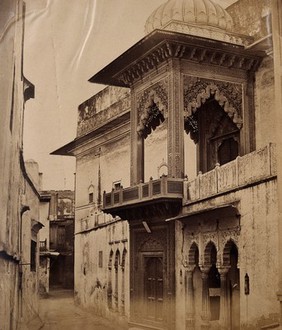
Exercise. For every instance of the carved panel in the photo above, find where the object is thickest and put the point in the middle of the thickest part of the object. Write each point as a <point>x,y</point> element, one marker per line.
<point>145,242</point>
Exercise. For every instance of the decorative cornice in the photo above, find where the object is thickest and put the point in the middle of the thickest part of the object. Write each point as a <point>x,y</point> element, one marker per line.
<point>156,49</point>
<point>193,53</point>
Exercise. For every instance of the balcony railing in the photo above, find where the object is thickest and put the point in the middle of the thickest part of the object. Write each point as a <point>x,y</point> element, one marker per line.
<point>245,170</point>
<point>162,188</point>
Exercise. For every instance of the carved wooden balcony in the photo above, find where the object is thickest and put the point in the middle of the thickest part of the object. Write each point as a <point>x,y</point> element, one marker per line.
<point>161,198</point>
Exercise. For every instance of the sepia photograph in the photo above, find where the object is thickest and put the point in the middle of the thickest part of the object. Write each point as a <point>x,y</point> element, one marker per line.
<point>141,164</point>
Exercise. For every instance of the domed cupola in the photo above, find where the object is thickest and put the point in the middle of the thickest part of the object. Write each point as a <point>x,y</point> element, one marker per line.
<point>202,18</point>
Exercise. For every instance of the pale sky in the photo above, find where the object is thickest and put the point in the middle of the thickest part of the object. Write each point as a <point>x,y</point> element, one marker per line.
<point>66,43</point>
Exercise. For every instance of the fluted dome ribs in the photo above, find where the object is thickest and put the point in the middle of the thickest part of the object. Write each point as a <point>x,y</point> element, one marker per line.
<point>201,13</point>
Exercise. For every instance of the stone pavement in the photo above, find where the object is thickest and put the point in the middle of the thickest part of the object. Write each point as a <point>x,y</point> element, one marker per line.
<point>58,312</point>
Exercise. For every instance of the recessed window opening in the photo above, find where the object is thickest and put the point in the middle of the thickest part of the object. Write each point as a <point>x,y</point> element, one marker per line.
<point>91,194</point>
<point>33,256</point>
<point>214,286</point>
<point>152,129</point>
<point>215,134</point>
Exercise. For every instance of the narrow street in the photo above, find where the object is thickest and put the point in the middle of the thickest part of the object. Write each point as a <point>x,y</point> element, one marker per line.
<point>58,312</point>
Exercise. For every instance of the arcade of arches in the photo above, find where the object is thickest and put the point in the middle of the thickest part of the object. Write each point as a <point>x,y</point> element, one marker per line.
<point>212,288</point>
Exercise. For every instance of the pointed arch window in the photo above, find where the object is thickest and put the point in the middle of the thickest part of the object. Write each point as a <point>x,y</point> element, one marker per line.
<point>91,194</point>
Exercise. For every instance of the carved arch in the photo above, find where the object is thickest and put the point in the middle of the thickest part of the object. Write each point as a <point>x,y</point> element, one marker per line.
<point>152,108</point>
<point>117,259</point>
<point>123,259</point>
<point>226,252</point>
<point>228,95</point>
<point>208,257</point>
<point>193,255</point>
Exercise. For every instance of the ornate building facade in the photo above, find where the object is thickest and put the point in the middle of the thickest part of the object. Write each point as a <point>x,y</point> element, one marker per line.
<point>183,144</point>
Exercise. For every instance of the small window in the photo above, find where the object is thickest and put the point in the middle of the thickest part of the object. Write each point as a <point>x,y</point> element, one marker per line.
<point>91,194</point>
<point>33,256</point>
<point>100,259</point>
<point>117,185</point>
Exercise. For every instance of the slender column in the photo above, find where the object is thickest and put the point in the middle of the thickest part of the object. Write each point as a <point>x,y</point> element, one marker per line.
<point>205,298</point>
<point>122,291</point>
<point>116,287</point>
<point>110,289</point>
<point>189,299</point>
<point>224,306</point>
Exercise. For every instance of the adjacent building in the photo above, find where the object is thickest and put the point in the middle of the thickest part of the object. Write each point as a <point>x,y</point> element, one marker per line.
<point>177,173</point>
<point>19,197</point>
<point>57,241</point>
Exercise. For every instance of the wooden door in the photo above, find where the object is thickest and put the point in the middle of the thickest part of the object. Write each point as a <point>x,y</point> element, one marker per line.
<point>153,287</point>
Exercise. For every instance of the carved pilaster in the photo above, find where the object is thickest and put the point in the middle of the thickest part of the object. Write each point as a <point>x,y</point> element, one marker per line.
<point>224,306</point>
<point>248,138</point>
<point>137,147</point>
<point>175,122</point>
<point>205,298</point>
<point>189,299</point>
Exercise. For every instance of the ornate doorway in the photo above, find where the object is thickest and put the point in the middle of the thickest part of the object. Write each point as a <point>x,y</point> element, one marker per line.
<point>152,280</point>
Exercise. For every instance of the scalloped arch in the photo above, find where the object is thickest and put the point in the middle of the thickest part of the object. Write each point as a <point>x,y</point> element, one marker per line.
<point>193,254</point>
<point>156,94</point>
<point>204,93</point>
<point>226,251</point>
<point>207,252</point>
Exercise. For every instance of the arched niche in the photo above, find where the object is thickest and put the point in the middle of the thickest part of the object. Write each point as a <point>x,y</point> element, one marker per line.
<point>213,120</point>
